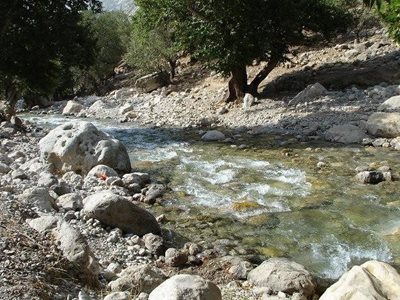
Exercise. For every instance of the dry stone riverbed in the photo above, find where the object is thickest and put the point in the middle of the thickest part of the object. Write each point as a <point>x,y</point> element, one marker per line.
<point>265,196</point>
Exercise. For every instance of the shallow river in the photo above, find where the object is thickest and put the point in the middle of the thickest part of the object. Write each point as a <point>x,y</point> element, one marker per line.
<point>270,199</point>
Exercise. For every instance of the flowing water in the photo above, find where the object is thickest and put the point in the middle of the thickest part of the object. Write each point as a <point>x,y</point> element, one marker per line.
<point>270,200</point>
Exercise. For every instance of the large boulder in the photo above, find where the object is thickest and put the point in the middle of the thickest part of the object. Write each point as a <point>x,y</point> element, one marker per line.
<point>186,287</point>
<point>152,82</point>
<point>390,105</point>
<point>345,134</point>
<point>145,277</point>
<point>372,280</point>
<point>80,146</point>
<point>72,108</point>
<point>311,92</point>
<point>382,124</point>
<point>282,275</point>
<point>116,211</point>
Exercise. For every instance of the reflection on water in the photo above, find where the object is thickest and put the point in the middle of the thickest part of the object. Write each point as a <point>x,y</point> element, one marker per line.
<point>271,202</point>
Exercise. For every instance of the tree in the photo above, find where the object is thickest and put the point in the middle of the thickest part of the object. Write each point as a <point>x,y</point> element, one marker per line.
<point>151,47</point>
<point>111,30</point>
<point>228,35</point>
<point>38,40</point>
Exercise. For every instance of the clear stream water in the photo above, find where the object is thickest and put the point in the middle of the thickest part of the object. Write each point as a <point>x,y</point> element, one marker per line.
<point>270,200</point>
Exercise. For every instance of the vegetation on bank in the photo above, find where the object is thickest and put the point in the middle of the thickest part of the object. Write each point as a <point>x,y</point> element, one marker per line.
<point>53,49</point>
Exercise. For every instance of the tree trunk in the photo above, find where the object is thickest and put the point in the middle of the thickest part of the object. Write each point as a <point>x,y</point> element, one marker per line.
<point>253,87</point>
<point>172,67</point>
<point>237,84</point>
<point>11,94</point>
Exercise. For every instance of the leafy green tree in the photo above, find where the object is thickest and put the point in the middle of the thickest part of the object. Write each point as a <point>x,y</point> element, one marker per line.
<point>39,39</point>
<point>228,35</point>
<point>151,47</point>
<point>111,30</point>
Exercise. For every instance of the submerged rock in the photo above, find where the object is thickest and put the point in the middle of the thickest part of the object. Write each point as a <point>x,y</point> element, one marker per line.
<point>372,280</point>
<point>80,146</point>
<point>186,287</point>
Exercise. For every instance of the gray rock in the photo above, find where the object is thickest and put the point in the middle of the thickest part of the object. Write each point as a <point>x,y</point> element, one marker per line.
<point>370,177</point>
<point>72,108</point>
<point>125,109</point>
<point>213,135</point>
<point>345,134</point>
<point>116,211</point>
<point>118,296</point>
<point>80,146</point>
<point>47,179</point>
<point>102,171</point>
<point>309,93</point>
<point>155,191</point>
<point>390,105</point>
<point>282,275</point>
<point>19,174</point>
<point>248,101</point>
<point>4,169</point>
<point>139,178</point>
<point>384,124</point>
<point>186,287</point>
<point>39,198</point>
<point>154,243</point>
<point>71,201</point>
<point>44,223</point>
<point>76,250</point>
<point>142,278</point>
<point>175,258</point>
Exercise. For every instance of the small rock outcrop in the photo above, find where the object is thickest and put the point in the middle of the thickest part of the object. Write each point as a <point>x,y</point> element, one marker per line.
<point>186,287</point>
<point>80,146</point>
<point>383,124</point>
<point>371,280</point>
<point>282,275</point>
<point>116,211</point>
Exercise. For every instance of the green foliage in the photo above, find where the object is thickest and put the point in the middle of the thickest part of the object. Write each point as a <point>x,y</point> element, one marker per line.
<point>151,47</point>
<point>111,30</point>
<point>225,34</point>
<point>38,40</point>
<point>391,15</point>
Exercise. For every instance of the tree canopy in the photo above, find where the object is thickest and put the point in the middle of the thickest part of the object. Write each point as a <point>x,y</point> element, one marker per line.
<point>228,35</point>
<point>38,39</point>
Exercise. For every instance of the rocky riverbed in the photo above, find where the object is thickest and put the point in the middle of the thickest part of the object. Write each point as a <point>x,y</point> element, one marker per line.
<point>78,223</point>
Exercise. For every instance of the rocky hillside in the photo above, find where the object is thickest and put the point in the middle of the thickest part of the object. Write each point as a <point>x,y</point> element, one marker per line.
<point>125,5</point>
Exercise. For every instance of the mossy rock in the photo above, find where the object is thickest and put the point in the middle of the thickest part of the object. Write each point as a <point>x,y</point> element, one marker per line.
<point>270,252</point>
<point>242,206</point>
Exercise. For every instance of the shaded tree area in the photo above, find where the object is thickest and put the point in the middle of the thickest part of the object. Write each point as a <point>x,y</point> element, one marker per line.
<point>228,35</point>
<point>39,41</point>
